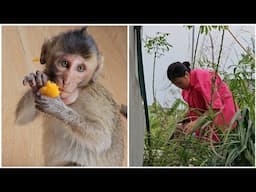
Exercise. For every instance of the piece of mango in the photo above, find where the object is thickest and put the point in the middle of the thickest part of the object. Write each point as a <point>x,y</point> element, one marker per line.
<point>36,59</point>
<point>50,89</point>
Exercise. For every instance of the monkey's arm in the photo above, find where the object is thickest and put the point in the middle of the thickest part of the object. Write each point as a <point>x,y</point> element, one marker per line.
<point>94,132</point>
<point>25,111</point>
<point>56,108</point>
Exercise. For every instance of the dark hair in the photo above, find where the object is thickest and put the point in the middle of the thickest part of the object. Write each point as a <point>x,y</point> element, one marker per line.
<point>177,69</point>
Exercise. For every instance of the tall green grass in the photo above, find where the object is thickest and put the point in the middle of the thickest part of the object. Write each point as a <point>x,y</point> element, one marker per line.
<point>237,146</point>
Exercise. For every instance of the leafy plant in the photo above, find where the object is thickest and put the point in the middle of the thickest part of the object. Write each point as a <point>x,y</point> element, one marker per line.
<point>157,45</point>
<point>242,82</point>
<point>163,122</point>
<point>205,29</point>
<point>237,146</point>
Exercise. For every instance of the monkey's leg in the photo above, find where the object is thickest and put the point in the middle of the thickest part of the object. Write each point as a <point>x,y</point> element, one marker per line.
<point>25,111</point>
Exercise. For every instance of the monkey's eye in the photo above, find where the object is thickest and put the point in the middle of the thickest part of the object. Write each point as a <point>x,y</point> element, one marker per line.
<point>80,68</point>
<point>64,63</point>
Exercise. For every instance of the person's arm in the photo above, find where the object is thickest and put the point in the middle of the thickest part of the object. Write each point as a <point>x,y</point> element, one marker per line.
<point>188,127</point>
<point>191,125</point>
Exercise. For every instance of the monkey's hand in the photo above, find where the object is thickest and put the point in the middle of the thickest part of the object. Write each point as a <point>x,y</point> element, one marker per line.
<point>57,108</point>
<point>52,106</point>
<point>91,130</point>
<point>35,80</point>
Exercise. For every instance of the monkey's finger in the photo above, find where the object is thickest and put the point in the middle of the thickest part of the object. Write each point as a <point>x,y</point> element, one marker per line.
<point>30,79</point>
<point>41,103</point>
<point>40,98</point>
<point>39,79</point>
<point>44,79</point>
<point>24,82</point>
<point>44,98</point>
<point>37,94</point>
<point>40,108</point>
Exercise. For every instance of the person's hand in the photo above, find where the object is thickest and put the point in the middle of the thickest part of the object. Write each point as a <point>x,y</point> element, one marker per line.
<point>189,126</point>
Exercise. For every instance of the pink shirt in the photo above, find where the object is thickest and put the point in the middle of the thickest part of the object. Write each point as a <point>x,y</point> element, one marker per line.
<point>199,96</point>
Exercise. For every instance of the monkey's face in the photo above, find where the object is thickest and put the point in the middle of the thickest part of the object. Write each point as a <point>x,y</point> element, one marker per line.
<point>71,70</point>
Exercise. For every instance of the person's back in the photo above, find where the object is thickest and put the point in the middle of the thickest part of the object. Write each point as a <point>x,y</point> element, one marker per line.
<point>202,95</point>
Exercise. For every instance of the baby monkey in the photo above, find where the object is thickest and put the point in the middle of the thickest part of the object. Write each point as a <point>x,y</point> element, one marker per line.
<point>83,125</point>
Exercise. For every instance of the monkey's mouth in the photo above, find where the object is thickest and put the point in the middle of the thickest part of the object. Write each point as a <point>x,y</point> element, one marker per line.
<point>64,93</point>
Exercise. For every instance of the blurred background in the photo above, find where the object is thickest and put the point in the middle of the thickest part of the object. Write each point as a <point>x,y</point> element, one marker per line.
<point>22,145</point>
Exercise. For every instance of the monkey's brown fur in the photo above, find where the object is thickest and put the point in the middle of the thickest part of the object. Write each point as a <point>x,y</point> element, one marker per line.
<point>64,145</point>
<point>87,132</point>
<point>96,146</point>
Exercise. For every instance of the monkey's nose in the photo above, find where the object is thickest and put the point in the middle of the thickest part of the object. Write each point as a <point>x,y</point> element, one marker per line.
<point>66,82</point>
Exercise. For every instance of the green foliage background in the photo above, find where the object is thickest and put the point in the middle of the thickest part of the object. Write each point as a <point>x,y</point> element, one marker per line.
<point>237,147</point>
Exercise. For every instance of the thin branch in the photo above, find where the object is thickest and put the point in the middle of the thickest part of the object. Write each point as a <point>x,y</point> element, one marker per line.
<point>193,42</point>
<point>197,40</point>
<point>212,46</point>
<point>153,80</point>
<point>221,46</point>
<point>239,42</point>
<point>217,67</point>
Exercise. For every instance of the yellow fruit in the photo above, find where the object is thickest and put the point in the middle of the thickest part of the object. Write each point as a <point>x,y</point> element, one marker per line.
<point>50,89</point>
<point>36,59</point>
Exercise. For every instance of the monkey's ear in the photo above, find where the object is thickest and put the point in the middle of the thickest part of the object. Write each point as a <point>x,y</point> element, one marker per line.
<point>44,51</point>
<point>84,30</point>
<point>98,68</point>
